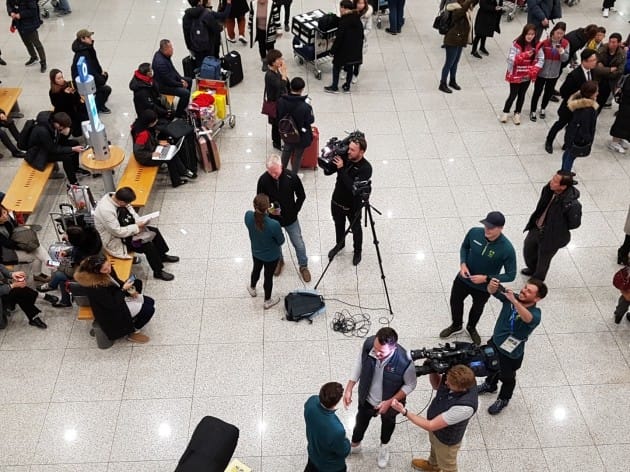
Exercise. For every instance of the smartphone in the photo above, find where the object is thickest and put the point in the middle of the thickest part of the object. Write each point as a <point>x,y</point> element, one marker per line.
<point>85,148</point>
<point>52,263</point>
<point>132,278</point>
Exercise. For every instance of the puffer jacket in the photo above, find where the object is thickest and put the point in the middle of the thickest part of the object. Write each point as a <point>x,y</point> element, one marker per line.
<point>523,65</point>
<point>146,95</point>
<point>459,33</point>
<point>581,128</point>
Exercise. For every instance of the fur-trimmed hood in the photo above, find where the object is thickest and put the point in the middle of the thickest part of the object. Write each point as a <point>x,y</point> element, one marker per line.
<point>89,279</point>
<point>577,102</point>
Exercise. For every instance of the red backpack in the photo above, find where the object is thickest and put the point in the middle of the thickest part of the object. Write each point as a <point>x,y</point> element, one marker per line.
<point>621,279</point>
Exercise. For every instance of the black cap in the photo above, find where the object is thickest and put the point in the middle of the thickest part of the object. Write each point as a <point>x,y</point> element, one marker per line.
<point>494,219</point>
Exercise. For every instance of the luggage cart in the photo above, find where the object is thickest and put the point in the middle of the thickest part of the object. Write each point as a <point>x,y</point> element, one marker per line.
<point>379,9</point>
<point>217,87</point>
<point>43,10</point>
<point>310,44</point>
<point>511,8</point>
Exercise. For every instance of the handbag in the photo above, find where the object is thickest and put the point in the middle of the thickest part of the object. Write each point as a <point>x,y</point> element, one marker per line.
<point>581,150</point>
<point>269,108</point>
<point>25,239</point>
<point>9,256</point>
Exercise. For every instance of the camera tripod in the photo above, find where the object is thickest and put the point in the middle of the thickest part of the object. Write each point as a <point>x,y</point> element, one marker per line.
<point>368,217</point>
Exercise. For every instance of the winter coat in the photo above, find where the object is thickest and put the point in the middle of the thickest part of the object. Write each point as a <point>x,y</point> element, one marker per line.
<point>564,214</point>
<point>523,65</point>
<point>626,228</point>
<point>538,10</point>
<point>366,19</point>
<point>458,33</point>
<point>488,18</point>
<point>93,65</point>
<point>621,126</point>
<point>210,21</point>
<point>348,45</point>
<point>72,104</point>
<point>146,95</point>
<point>581,128</point>
<point>107,300</point>
<point>605,62</point>
<point>164,71</point>
<point>273,24</point>
<point>30,19</point>
<point>108,227</point>
<point>577,40</point>
<point>553,59</point>
<point>275,85</point>
<point>144,145</point>
<point>302,114</point>
<point>44,142</point>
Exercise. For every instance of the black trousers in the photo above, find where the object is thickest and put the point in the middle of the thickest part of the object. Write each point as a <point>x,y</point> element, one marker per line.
<point>536,258</point>
<point>459,292</point>
<point>263,45</point>
<point>287,12</point>
<point>608,4</point>
<point>275,133</point>
<point>183,95</point>
<point>517,92</point>
<point>154,250</point>
<point>506,373</point>
<point>102,94</point>
<point>70,162</point>
<point>270,267</point>
<point>545,87</point>
<point>25,298</point>
<point>623,306</point>
<point>624,249</point>
<point>10,125</point>
<point>603,94</point>
<point>340,215</point>
<point>564,117</point>
<point>34,46</point>
<point>479,40</point>
<point>310,467</point>
<point>364,414</point>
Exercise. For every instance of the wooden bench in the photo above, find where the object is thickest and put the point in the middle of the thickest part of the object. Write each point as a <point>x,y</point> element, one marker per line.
<point>140,179</point>
<point>123,270</point>
<point>26,188</point>
<point>9,101</point>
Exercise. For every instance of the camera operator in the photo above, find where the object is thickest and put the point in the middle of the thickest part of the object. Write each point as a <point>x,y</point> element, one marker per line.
<point>344,204</point>
<point>518,318</point>
<point>385,373</point>
<point>454,404</point>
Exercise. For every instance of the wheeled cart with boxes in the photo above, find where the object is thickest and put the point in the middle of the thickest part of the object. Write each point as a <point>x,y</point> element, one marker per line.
<point>379,7</point>
<point>311,45</point>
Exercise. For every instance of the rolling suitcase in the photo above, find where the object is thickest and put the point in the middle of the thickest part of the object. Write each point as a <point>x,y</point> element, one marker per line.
<point>188,64</point>
<point>210,448</point>
<point>207,151</point>
<point>232,63</point>
<point>309,158</point>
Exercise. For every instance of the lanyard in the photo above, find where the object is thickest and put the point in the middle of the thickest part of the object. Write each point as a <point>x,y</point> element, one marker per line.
<point>513,316</point>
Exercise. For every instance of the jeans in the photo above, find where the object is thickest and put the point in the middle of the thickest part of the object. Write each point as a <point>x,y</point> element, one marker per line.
<point>184,96</point>
<point>453,54</point>
<point>295,235</point>
<point>506,373</point>
<point>297,151</point>
<point>396,13</point>
<point>63,5</point>
<point>154,250</point>
<point>459,292</point>
<point>517,91</point>
<point>340,215</point>
<point>270,267</point>
<point>535,257</point>
<point>34,46</point>
<point>59,281</point>
<point>548,85</point>
<point>365,413</point>
<point>567,160</point>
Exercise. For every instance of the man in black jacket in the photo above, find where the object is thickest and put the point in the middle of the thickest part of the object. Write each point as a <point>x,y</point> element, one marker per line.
<point>145,93</point>
<point>286,192</point>
<point>572,84</point>
<point>558,211</point>
<point>295,104</point>
<point>202,31</point>
<point>541,12</point>
<point>169,81</point>
<point>84,46</point>
<point>25,18</point>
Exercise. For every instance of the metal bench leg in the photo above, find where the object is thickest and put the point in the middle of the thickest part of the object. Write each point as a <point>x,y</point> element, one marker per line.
<point>15,112</point>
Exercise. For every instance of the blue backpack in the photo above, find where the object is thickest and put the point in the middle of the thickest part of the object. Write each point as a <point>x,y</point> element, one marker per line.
<point>210,68</point>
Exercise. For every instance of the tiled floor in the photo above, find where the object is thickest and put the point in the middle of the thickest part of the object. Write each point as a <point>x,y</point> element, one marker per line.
<point>440,163</point>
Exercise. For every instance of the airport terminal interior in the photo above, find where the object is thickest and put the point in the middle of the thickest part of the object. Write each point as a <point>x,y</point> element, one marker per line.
<point>440,162</point>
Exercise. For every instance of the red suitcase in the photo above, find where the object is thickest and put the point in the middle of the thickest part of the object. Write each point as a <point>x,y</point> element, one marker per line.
<point>207,151</point>
<point>309,158</point>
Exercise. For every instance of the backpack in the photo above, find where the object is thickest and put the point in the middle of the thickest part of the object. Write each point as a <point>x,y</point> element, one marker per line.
<point>443,21</point>
<point>303,304</point>
<point>288,130</point>
<point>618,93</point>
<point>210,68</point>
<point>328,22</point>
<point>621,279</point>
<point>199,35</point>
<point>25,134</point>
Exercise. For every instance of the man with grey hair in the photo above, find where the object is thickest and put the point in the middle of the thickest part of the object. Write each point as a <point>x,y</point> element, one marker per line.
<point>169,81</point>
<point>286,195</point>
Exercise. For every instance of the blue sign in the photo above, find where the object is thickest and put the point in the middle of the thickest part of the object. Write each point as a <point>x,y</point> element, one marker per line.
<point>82,69</point>
<point>85,77</point>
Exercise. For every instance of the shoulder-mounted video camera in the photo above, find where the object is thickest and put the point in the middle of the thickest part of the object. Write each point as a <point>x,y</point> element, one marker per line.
<point>336,147</point>
<point>482,360</point>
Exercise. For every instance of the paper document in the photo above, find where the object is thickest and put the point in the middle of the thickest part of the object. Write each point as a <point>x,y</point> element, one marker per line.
<point>237,466</point>
<point>149,217</point>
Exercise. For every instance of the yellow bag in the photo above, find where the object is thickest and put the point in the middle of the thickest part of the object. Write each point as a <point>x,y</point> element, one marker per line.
<point>219,106</point>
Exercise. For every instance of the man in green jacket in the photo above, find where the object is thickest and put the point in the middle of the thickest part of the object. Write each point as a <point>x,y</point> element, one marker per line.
<point>482,255</point>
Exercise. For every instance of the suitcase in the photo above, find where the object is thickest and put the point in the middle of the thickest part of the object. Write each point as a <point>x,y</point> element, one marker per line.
<point>188,64</point>
<point>188,153</point>
<point>210,448</point>
<point>232,63</point>
<point>207,151</point>
<point>311,153</point>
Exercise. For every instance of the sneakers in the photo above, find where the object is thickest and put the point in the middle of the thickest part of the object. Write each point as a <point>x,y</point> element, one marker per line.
<point>231,40</point>
<point>242,39</point>
<point>279,267</point>
<point>138,338</point>
<point>423,464</point>
<point>251,290</point>
<point>41,278</point>
<point>305,273</point>
<point>605,12</point>
<point>542,114</point>
<point>355,79</point>
<point>474,335</point>
<point>331,89</point>
<point>532,116</point>
<point>485,387</point>
<point>450,331</point>
<point>516,118</point>
<point>383,457</point>
<point>625,143</point>
<point>355,448</point>
<point>616,147</point>
<point>504,118</point>
<point>497,406</point>
<point>44,288</point>
<point>271,302</point>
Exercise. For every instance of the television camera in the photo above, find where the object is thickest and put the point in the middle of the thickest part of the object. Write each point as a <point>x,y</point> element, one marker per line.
<point>482,360</point>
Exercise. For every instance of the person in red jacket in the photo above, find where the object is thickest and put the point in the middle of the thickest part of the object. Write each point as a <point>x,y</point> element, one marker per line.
<point>524,63</point>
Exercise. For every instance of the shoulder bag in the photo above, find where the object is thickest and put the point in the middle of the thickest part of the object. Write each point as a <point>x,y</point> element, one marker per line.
<point>25,238</point>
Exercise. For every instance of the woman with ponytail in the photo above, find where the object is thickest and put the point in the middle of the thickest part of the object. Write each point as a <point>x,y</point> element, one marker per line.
<point>266,239</point>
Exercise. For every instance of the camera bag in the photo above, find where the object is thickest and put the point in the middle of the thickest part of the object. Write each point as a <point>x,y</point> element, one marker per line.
<point>303,304</point>
<point>210,448</point>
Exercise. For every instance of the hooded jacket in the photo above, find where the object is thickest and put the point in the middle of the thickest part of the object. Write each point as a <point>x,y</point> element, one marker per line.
<point>209,20</point>
<point>93,65</point>
<point>348,45</point>
<point>108,227</point>
<point>459,32</point>
<point>30,19</point>
<point>302,114</point>
<point>146,95</point>
<point>44,141</point>
<point>581,128</point>
<point>538,10</point>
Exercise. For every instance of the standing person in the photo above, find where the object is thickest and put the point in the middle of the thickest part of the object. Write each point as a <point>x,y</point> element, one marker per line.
<point>578,39</point>
<point>328,445</point>
<point>455,402</point>
<point>572,83</point>
<point>598,40</point>
<point>202,31</point>
<point>169,81</point>
<point>620,130</point>
<point>524,63</point>
<point>611,61</point>
<point>267,28</point>
<point>607,6</point>
<point>557,212</point>
<point>455,40</point>
<point>518,318</point>
<point>385,373</point>
<point>25,17</point>
<point>235,16</point>
<point>266,239</point>
<point>623,305</point>
<point>347,49</point>
<point>364,10</point>
<point>580,133</point>
<point>276,85</point>
<point>396,16</point>
<point>344,205</point>
<point>487,23</point>
<point>83,46</point>
<point>287,12</point>
<point>65,98</point>
<point>285,190</point>
<point>482,255</point>
<point>623,253</point>
<point>555,50</point>
<point>541,13</point>
<point>298,107</point>
<point>9,124</point>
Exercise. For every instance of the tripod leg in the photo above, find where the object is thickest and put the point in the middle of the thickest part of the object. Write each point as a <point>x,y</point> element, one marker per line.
<point>368,213</point>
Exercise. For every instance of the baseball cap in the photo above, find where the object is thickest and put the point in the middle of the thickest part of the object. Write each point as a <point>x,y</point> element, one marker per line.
<point>83,33</point>
<point>494,219</point>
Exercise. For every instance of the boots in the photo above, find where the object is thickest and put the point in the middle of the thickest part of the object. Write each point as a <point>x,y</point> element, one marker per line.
<point>444,88</point>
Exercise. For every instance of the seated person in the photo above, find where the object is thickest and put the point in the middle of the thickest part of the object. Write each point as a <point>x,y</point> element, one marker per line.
<point>10,252</point>
<point>65,98</point>
<point>146,95</point>
<point>14,291</point>
<point>83,46</point>
<point>49,142</point>
<point>169,81</point>
<point>119,307</point>
<point>145,140</point>
<point>118,223</point>
<point>85,242</point>
<point>6,122</point>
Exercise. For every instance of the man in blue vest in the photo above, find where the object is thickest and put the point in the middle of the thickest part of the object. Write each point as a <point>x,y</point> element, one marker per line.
<point>454,404</point>
<point>385,373</point>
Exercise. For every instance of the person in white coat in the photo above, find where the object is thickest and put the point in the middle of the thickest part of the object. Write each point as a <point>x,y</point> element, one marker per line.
<point>364,10</point>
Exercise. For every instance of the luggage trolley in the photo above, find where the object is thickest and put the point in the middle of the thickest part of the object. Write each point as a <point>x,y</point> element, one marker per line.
<point>43,10</point>
<point>218,87</point>
<point>511,7</point>
<point>310,44</point>
<point>379,8</point>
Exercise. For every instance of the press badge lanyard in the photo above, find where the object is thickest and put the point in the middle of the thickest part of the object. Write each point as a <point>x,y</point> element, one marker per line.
<point>511,342</point>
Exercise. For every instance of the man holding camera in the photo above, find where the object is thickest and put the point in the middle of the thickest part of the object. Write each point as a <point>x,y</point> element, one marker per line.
<point>519,317</point>
<point>345,204</point>
<point>385,373</point>
<point>454,404</point>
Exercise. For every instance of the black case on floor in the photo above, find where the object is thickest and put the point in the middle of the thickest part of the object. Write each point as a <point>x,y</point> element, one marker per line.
<point>210,448</point>
<point>188,64</point>
<point>232,63</point>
